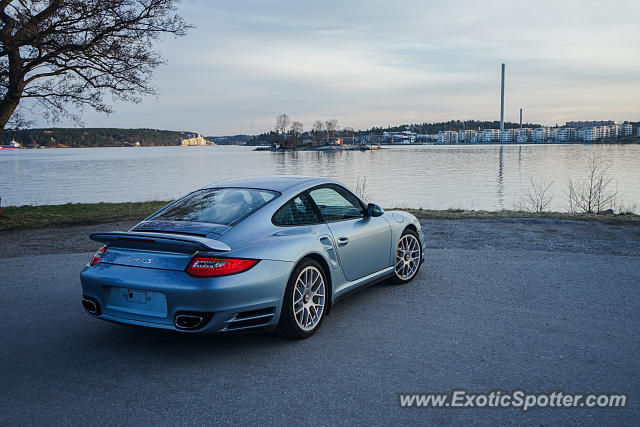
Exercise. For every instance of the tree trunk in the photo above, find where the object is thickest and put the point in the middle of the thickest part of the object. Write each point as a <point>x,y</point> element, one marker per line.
<point>15,86</point>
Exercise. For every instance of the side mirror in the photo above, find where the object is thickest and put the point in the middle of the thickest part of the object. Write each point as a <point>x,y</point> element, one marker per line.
<point>374,210</point>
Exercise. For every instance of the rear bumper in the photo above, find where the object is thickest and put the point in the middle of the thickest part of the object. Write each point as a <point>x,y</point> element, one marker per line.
<point>244,301</point>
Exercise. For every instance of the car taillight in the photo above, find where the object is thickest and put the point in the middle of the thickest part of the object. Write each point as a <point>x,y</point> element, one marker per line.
<point>214,266</point>
<point>98,255</point>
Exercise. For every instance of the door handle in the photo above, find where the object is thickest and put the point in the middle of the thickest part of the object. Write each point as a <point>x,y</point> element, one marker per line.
<point>343,241</point>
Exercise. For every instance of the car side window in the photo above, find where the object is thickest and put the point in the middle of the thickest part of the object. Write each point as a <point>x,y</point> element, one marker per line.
<point>297,211</point>
<point>336,204</point>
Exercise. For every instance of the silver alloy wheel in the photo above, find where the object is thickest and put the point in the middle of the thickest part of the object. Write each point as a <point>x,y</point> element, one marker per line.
<point>308,298</point>
<point>407,257</point>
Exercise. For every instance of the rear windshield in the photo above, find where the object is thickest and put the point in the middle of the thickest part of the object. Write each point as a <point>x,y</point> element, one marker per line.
<point>225,206</point>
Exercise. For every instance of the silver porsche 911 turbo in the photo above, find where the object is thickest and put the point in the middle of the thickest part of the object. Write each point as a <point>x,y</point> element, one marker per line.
<point>249,254</point>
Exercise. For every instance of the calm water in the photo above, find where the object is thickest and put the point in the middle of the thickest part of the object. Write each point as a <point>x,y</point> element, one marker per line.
<point>439,177</point>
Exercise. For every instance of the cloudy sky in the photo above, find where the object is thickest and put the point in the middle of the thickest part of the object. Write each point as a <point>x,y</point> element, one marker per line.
<point>370,62</point>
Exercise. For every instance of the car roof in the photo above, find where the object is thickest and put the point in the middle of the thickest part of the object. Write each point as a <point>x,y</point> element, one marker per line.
<point>280,183</point>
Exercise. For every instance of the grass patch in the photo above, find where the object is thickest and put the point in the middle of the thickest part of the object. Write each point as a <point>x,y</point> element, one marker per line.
<point>26,217</point>
<point>29,217</point>
<point>617,219</point>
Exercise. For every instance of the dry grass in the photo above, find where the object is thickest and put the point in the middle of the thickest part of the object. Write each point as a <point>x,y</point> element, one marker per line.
<point>26,217</point>
<point>29,217</point>
<point>618,219</point>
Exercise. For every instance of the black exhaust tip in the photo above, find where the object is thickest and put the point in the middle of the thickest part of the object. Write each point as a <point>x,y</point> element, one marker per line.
<point>91,306</point>
<point>191,321</point>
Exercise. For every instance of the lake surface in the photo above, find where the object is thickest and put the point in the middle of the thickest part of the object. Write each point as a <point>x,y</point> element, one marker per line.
<point>438,177</point>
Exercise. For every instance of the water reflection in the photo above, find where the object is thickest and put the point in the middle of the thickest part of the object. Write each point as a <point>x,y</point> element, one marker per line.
<point>501,178</point>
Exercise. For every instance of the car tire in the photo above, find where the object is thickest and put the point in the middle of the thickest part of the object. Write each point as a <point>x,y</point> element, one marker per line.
<point>305,301</point>
<point>408,257</point>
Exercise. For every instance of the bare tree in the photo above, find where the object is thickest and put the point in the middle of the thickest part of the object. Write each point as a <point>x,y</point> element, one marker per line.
<point>317,128</point>
<point>296,133</point>
<point>282,123</point>
<point>592,193</point>
<point>297,127</point>
<point>538,197</point>
<point>331,126</point>
<point>74,52</point>
<point>361,187</point>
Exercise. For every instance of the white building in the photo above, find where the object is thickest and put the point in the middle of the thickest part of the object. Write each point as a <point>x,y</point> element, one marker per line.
<point>468,136</point>
<point>540,134</point>
<point>448,137</point>
<point>507,135</point>
<point>404,137</point>
<point>604,131</point>
<point>615,131</point>
<point>491,135</point>
<point>522,135</point>
<point>564,134</point>
<point>588,134</point>
<point>627,129</point>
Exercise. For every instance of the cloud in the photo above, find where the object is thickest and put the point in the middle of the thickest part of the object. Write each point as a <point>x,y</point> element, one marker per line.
<point>378,62</point>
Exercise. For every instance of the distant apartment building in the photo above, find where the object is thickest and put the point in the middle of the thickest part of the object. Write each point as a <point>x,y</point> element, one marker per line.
<point>491,135</point>
<point>638,131</point>
<point>588,134</point>
<point>566,134</point>
<point>507,135</point>
<point>605,129</point>
<point>468,136</point>
<point>615,131</point>
<point>541,134</point>
<point>590,124</point>
<point>522,135</point>
<point>448,137</point>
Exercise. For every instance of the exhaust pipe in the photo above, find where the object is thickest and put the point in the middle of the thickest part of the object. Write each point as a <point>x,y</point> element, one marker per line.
<point>188,321</point>
<point>90,306</point>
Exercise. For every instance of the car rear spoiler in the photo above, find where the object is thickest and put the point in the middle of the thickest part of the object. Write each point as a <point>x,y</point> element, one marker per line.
<point>159,241</point>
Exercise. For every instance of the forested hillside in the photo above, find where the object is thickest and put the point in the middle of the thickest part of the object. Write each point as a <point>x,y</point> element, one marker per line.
<point>93,137</point>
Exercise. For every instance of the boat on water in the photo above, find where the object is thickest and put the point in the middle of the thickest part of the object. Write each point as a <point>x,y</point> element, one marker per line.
<point>13,145</point>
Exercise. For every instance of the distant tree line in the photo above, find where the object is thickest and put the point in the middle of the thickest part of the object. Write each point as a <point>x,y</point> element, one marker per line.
<point>290,133</point>
<point>433,128</point>
<point>93,137</point>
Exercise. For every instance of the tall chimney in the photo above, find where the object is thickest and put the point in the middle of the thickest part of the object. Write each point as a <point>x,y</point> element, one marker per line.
<point>502,100</point>
<point>521,118</point>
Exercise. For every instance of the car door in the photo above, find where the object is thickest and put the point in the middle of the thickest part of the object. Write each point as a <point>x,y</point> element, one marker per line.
<point>363,242</point>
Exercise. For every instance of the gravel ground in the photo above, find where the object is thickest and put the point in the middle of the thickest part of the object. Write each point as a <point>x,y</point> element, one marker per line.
<point>503,234</point>
<point>537,305</point>
<point>54,240</point>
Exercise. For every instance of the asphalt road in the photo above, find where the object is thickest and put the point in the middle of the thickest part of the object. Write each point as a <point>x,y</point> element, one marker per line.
<point>489,316</point>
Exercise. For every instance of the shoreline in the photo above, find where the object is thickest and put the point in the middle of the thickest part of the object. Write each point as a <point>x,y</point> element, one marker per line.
<point>382,146</point>
<point>364,147</point>
<point>75,214</point>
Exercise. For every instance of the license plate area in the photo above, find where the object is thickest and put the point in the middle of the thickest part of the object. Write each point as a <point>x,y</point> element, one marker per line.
<point>139,297</point>
<point>137,301</point>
